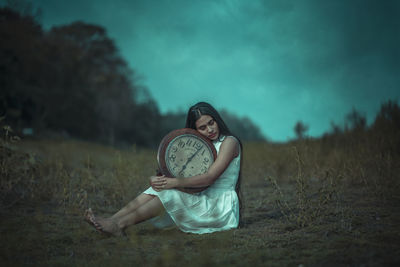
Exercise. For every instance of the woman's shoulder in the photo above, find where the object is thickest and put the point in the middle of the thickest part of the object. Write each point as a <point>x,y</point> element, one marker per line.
<point>230,139</point>
<point>231,142</point>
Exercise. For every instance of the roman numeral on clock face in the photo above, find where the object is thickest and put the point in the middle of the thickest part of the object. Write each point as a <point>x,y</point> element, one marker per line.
<point>189,142</point>
<point>181,144</point>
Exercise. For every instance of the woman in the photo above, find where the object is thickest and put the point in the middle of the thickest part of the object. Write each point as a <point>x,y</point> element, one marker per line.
<point>217,208</point>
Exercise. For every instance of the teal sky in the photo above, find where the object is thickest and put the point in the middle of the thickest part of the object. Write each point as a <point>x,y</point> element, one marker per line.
<point>276,61</point>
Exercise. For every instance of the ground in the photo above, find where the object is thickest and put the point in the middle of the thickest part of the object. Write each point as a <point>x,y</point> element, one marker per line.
<point>295,212</point>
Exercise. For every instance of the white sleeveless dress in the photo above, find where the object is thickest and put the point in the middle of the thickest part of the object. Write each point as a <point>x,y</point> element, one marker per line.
<point>214,209</point>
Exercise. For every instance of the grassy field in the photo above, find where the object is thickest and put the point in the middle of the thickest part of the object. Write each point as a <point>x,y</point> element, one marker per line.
<point>323,202</point>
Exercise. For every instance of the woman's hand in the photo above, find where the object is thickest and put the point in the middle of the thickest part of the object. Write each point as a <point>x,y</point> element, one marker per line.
<point>159,183</point>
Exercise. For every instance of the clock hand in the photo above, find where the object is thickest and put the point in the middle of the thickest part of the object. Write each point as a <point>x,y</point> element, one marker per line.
<point>189,159</point>
<point>184,166</point>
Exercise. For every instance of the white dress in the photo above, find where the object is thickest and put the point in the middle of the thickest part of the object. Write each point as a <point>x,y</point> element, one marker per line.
<point>214,209</point>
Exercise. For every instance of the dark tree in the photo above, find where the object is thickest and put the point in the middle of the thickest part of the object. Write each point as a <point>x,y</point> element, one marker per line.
<point>71,79</point>
<point>20,60</point>
<point>94,80</point>
<point>388,116</point>
<point>300,129</point>
<point>354,121</point>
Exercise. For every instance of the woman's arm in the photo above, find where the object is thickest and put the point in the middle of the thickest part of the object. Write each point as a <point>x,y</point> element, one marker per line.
<point>228,151</point>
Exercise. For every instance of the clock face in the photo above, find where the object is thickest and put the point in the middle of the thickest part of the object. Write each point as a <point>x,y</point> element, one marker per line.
<point>185,153</point>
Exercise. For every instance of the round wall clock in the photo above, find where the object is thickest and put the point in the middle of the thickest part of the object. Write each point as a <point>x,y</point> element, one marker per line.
<point>185,153</point>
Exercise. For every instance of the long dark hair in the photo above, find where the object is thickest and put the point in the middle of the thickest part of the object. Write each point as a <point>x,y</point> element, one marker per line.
<point>203,108</point>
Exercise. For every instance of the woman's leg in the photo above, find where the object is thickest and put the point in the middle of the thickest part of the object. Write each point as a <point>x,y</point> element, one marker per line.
<point>132,206</point>
<point>109,224</point>
<point>148,210</point>
<point>139,211</point>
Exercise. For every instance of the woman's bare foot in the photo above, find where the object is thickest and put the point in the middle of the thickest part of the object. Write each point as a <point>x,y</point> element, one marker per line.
<point>90,218</point>
<point>104,225</point>
<point>108,225</point>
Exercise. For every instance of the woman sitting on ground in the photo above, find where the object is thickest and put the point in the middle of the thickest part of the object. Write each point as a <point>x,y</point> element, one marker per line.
<point>217,208</point>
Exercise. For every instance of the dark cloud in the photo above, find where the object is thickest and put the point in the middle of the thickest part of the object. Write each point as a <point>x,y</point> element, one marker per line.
<point>367,28</point>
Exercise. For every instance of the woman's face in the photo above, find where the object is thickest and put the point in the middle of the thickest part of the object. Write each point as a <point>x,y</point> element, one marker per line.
<point>207,126</point>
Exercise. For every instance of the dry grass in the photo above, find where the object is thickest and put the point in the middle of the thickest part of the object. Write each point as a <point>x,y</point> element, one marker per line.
<point>311,202</point>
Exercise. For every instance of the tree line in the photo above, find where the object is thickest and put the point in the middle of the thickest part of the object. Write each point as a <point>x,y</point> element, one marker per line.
<point>385,127</point>
<point>72,80</point>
